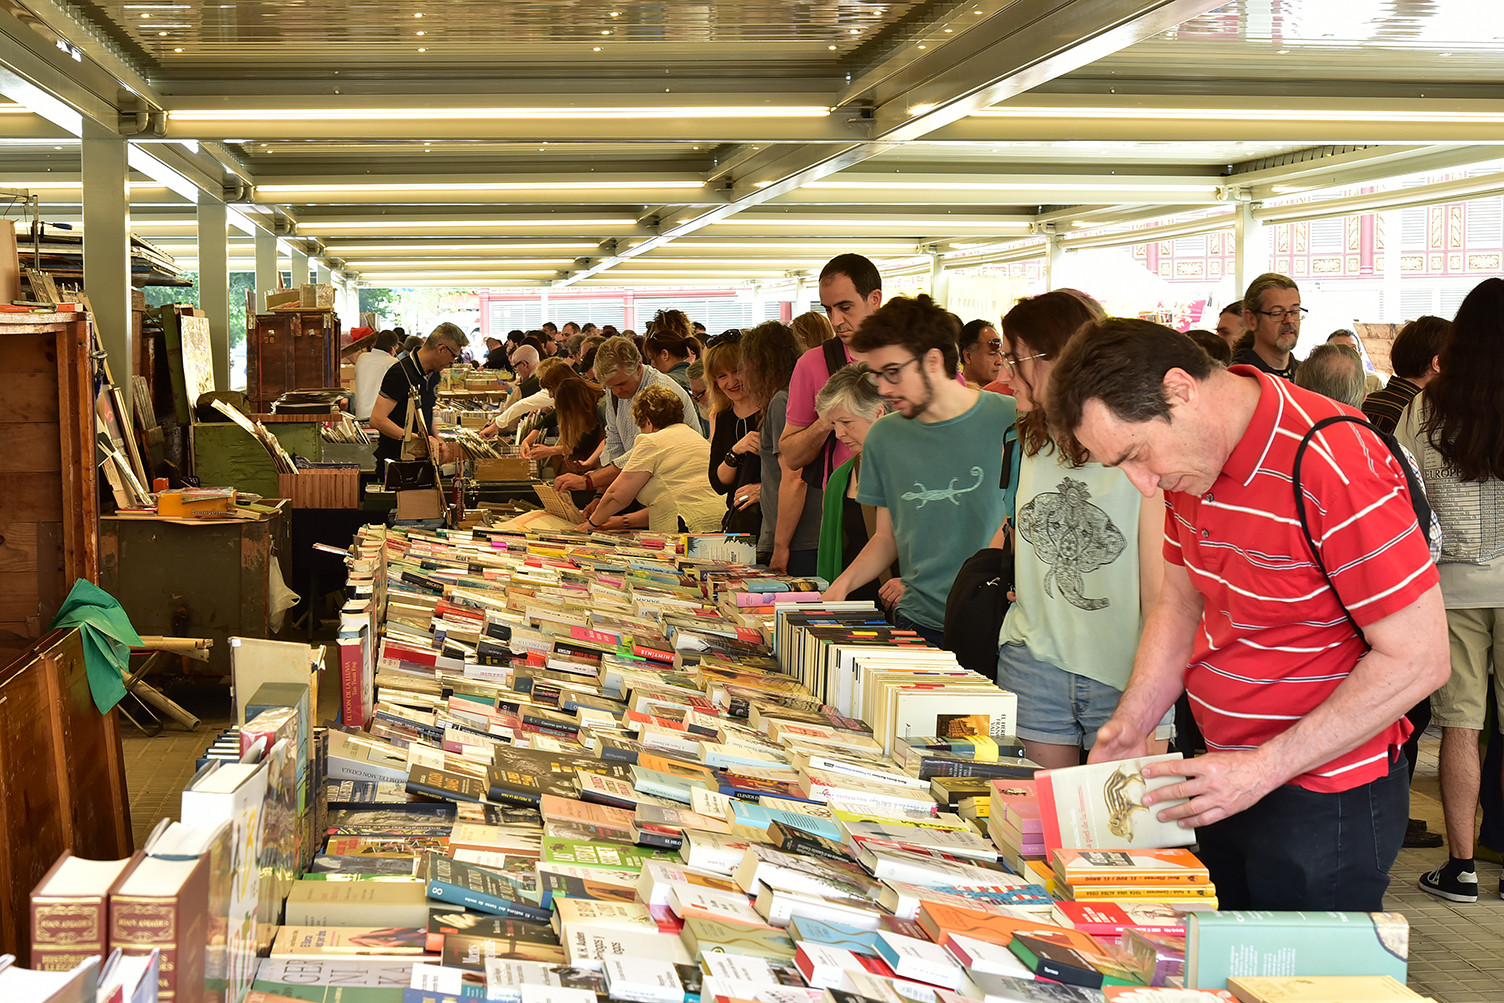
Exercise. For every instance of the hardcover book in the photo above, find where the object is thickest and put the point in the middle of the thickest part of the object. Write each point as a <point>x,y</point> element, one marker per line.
<point>163,906</point>
<point>70,911</point>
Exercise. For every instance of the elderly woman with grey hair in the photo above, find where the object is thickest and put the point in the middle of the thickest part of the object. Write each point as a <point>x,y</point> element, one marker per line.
<point>851,403</point>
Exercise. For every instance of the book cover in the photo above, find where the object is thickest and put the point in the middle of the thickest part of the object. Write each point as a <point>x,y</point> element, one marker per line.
<point>478,888</point>
<point>1316,989</point>
<point>349,942</point>
<point>613,856</point>
<point>703,935</point>
<point>163,906</point>
<point>1100,806</point>
<point>1054,958</point>
<point>235,793</point>
<point>70,911</point>
<point>1258,943</point>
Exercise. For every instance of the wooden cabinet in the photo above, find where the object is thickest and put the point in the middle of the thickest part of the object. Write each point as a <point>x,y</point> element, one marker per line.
<point>49,498</point>
<point>290,350</point>
<point>62,777</point>
<point>196,577</point>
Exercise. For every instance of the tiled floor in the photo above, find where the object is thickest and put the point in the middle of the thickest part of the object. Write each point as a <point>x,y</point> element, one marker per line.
<point>1456,951</point>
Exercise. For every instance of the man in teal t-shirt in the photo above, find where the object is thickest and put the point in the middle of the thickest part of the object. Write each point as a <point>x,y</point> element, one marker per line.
<point>933,470</point>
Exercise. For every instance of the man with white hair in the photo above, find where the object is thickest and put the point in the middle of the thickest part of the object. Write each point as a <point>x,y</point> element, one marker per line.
<point>619,368</point>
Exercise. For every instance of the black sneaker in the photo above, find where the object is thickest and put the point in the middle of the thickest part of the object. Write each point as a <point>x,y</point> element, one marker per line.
<point>1418,836</point>
<point>1450,883</point>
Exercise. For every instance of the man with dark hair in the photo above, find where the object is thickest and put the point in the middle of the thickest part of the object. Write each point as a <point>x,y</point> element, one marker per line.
<point>1415,358</point>
<point>551,329</point>
<point>1301,801</point>
<point>981,353</point>
<point>1272,312</point>
<point>1334,371</point>
<point>570,327</point>
<point>370,369</point>
<point>850,290</point>
<point>1230,325</point>
<point>496,353</point>
<point>933,469</point>
<point>418,370</point>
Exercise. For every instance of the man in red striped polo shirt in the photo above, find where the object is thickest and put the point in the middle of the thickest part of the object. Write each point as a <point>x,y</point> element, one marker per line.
<point>1302,797</point>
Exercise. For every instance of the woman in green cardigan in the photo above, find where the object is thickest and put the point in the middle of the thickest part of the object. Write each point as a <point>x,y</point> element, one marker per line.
<point>851,403</point>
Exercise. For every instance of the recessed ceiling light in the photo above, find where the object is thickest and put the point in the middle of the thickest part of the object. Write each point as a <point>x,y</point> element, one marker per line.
<point>854,31</point>
<point>596,49</point>
<point>616,13</point>
<point>422,32</point>
<point>948,30</point>
<point>421,49</point>
<point>162,33</point>
<point>832,48</point>
<point>417,15</point>
<point>177,50</point>
<point>923,46</point>
<point>146,15</point>
<point>605,31</point>
<point>1281,52</point>
<point>976,12</point>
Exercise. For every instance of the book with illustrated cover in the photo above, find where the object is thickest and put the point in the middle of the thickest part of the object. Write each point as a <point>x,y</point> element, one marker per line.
<point>1163,866</point>
<point>509,933</point>
<point>459,950</point>
<point>349,941</point>
<point>703,935</point>
<point>612,856</point>
<point>477,888</point>
<point>1100,806</point>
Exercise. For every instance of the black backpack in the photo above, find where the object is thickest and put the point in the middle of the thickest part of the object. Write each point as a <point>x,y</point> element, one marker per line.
<point>1430,526</point>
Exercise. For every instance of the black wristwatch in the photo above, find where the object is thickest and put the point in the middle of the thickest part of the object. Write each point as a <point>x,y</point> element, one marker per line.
<point>733,459</point>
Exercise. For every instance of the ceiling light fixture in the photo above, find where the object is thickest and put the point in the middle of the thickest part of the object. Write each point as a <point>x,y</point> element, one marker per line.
<point>271,115</point>
<point>836,222</point>
<point>1257,114</point>
<point>319,226</point>
<point>287,190</point>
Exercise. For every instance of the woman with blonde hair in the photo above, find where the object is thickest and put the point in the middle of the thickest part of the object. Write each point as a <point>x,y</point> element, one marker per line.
<point>812,329</point>
<point>735,463</point>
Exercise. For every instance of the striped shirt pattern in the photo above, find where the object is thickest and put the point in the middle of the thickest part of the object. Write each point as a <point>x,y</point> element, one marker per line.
<point>1384,407</point>
<point>1273,642</point>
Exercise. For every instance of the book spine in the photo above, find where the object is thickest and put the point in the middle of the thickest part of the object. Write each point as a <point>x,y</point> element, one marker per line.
<point>353,711</point>
<point>140,924</point>
<point>67,931</point>
<point>443,891</point>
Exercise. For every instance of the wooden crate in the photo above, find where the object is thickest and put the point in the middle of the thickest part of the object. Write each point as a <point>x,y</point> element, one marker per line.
<point>290,349</point>
<point>62,777</point>
<point>313,488</point>
<point>49,501</point>
<point>502,468</point>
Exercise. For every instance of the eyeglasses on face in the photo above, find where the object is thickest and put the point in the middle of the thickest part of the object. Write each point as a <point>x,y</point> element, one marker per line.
<point>698,396</point>
<point>992,346</point>
<point>890,374</point>
<point>1014,360</point>
<point>1279,313</point>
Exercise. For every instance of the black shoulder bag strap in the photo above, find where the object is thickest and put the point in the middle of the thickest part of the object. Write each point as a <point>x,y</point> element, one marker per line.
<point>817,471</point>
<point>1300,510</point>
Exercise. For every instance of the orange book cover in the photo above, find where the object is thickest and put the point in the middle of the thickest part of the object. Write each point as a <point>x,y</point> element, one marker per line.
<point>939,920</point>
<point>1169,866</point>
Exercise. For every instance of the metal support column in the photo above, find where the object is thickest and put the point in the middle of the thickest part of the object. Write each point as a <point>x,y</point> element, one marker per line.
<point>299,267</point>
<point>1054,262</point>
<point>214,283</point>
<point>266,266</point>
<point>939,279</point>
<point>1251,255</point>
<point>107,247</point>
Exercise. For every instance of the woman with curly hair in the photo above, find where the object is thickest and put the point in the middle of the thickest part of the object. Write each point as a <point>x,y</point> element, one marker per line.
<point>789,540</point>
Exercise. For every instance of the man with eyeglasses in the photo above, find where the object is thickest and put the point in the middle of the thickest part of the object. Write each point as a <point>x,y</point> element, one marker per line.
<point>981,354</point>
<point>933,470</point>
<point>418,369</point>
<point>1272,311</point>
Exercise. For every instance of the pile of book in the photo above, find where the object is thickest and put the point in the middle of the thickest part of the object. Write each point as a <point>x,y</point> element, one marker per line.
<point>574,769</point>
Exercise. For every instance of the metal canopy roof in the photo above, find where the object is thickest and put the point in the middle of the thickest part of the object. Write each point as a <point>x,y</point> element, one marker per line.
<point>588,142</point>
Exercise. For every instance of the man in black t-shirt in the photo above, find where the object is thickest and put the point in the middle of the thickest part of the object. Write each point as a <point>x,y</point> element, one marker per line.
<point>418,369</point>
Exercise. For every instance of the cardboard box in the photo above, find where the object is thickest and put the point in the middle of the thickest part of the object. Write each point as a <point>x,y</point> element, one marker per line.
<point>502,468</point>
<point>420,503</point>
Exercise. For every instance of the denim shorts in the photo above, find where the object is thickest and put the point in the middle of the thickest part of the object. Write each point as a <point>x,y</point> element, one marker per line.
<point>1060,707</point>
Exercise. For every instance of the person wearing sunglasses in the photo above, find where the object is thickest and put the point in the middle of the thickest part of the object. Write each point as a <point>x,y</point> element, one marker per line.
<point>981,353</point>
<point>934,470</point>
<point>1272,313</point>
<point>420,370</point>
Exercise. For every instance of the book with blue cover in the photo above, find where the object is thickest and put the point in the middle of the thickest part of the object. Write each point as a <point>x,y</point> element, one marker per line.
<point>478,888</point>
